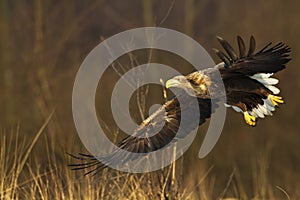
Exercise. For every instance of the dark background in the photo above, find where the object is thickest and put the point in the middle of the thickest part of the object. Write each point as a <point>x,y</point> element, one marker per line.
<point>42,44</point>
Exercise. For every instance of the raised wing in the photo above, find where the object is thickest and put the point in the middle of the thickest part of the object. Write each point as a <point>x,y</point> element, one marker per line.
<point>269,59</point>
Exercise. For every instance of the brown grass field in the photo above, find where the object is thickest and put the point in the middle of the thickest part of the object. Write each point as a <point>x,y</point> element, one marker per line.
<point>43,43</point>
<point>23,176</point>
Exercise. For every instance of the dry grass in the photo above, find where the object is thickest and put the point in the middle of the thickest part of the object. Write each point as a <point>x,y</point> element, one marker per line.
<point>21,180</point>
<point>23,177</point>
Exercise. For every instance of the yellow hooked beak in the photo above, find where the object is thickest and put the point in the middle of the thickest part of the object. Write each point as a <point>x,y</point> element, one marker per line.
<point>172,83</point>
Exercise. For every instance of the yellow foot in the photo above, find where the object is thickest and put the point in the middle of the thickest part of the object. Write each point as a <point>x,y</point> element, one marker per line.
<point>249,119</point>
<point>275,99</point>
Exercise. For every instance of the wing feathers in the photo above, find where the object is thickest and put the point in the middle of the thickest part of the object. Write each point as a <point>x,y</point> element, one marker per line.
<point>223,57</point>
<point>144,144</point>
<point>228,48</point>
<point>242,46</point>
<point>252,46</point>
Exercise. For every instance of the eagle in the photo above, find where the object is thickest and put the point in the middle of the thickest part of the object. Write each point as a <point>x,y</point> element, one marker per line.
<point>249,86</point>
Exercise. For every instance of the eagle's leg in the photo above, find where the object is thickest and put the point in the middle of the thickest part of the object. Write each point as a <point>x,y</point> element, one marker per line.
<point>249,119</point>
<point>275,99</point>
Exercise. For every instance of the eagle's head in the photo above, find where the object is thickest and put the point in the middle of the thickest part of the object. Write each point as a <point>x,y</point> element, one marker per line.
<point>195,84</point>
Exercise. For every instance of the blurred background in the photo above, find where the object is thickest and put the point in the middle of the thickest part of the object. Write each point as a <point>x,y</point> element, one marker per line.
<point>43,43</point>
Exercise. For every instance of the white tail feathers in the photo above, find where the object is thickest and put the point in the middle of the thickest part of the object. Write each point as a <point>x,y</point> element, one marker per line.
<point>268,82</point>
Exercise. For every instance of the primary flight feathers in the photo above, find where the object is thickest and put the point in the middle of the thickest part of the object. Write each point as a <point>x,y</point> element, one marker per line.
<point>249,86</point>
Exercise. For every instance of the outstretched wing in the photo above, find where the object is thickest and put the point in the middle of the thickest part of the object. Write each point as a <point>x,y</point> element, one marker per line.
<point>165,121</point>
<point>247,77</point>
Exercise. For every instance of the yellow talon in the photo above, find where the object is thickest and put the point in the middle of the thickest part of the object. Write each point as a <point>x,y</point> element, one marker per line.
<point>249,119</point>
<point>275,99</point>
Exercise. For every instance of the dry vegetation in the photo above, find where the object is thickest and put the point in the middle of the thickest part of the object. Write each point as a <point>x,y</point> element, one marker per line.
<point>42,44</point>
<point>24,177</point>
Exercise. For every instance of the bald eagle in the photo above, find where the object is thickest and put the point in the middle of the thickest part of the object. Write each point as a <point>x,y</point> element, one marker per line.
<point>249,86</point>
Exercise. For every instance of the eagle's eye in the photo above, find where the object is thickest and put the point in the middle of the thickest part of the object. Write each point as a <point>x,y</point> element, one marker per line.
<point>193,82</point>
